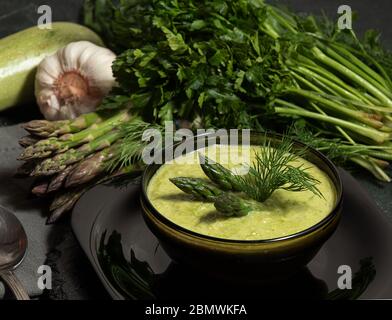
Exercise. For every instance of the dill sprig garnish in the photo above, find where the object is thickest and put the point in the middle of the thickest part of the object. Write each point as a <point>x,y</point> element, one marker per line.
<point>273,169</point>
<point>338,150</point>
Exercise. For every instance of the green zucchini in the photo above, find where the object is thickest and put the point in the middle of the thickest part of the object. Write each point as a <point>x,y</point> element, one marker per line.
<point>21,53</point>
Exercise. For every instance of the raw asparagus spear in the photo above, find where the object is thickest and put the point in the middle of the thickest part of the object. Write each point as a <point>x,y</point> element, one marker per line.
<point>57,181</point>
<point>43,128</point>
<point>96,164</point>
<point>90,168</point>
<point>61,161</point>
<point>231,205</point>
<point>46,129</point>
<point>26,169</point>
<point>199,188</point>
<point>218,174</point>
<point>28,141</point>
<point>40,188</point>
<point>66,201</point>
<point>49,146</point>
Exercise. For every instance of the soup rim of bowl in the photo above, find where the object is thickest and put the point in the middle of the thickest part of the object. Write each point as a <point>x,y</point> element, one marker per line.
<point>178,228</point>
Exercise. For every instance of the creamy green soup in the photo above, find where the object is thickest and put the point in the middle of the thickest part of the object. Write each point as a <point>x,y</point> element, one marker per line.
<point>284,213</point>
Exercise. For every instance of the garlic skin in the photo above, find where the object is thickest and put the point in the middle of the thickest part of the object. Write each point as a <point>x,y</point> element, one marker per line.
<point>74,80</point>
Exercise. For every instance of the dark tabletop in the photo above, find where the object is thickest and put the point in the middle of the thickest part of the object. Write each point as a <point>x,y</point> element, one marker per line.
<point>74,278</point>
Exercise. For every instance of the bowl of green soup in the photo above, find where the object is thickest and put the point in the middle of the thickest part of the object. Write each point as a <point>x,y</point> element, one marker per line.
<point>268,240</point>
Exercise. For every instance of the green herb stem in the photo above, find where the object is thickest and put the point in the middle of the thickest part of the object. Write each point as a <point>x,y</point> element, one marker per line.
<point>319,55</point>
<point>369,71</point>
<point>334,88</point>
<point>309,64</point>
<point>334,106</point>
<point>357,70</point>
<point>379,137</point>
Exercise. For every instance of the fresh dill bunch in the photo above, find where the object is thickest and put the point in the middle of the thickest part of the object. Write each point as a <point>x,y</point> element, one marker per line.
<point>337,150</point>
<point>130,148</point>
<point>273,169</point>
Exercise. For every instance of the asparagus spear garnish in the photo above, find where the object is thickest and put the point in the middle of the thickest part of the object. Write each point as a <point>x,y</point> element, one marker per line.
<point>226,203</point>
<point>49,146</point>
<point>61,161</point>
<point>46,129</point>
<point>199,188</point>
<point>218,174</point>
<point>231,205</point>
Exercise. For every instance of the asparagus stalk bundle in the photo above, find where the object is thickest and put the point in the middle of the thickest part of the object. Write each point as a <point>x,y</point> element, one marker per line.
<point>60,161</point>
<point>70,156</point>
<point>64,202</point>
<point>53,145</point>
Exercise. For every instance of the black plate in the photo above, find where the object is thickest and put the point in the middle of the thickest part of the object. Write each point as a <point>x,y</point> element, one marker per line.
<point>131,264</point>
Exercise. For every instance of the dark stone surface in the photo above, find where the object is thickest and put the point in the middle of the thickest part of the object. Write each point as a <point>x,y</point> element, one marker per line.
<point>16,15</point>
<point>371,14</point>
<point>74,277</point>
<point>19,14</point>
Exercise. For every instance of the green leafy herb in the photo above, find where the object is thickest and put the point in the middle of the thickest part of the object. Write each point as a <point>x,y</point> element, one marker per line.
<point>247,64</point>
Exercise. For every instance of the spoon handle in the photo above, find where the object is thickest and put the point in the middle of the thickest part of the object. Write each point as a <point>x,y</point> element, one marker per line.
<point>15,285</point>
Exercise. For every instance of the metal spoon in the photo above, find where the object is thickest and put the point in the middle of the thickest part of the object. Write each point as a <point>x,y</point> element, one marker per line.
<point>13,245</point>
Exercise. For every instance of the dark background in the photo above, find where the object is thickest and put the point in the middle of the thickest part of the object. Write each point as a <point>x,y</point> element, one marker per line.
<point>19,14</point>
<point>74,277</point>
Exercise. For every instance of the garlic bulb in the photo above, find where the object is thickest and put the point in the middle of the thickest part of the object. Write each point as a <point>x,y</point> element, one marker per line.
<point>74,80</point>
